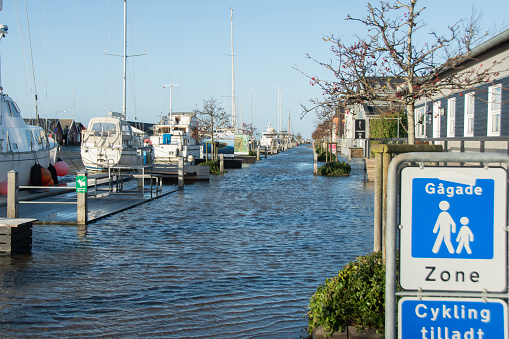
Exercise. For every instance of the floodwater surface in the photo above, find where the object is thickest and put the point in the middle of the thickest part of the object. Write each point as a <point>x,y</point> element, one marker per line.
<point>236,257</point>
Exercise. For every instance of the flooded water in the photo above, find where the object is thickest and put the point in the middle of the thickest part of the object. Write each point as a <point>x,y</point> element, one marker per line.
<point>236,257</point>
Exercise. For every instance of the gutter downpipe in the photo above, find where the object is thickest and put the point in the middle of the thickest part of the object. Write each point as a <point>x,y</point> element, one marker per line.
<point>392,213</point>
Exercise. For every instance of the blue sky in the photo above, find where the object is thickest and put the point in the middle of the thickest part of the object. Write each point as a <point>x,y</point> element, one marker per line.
<point>188,41</point>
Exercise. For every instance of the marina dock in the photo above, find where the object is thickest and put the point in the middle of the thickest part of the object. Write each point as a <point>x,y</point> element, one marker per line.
<point>50,208</point>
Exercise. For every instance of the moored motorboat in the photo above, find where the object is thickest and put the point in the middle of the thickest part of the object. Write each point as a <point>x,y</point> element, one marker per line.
<point>22,146</point>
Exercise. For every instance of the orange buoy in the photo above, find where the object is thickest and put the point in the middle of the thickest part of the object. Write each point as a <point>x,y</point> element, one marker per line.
<point>46,179</point>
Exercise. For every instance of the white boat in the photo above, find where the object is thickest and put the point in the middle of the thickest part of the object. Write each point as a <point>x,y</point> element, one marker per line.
<point>175,137</point>
<point>110,141</point>
<point>270,138</point>
<point>21,146</point>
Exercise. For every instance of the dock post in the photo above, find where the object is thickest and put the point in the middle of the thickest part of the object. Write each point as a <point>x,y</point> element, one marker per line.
<point>258,153</point>
<point>221,163</point>
<point>181,173</point>
<point>12,194</point>
<point>82,212</point>
<point>315,162</point>
<point>265,151</point>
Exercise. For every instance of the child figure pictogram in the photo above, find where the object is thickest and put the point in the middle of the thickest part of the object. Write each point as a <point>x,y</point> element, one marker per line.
<point>465,236</point>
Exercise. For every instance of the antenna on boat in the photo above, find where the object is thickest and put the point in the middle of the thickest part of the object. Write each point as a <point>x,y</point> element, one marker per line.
<point>234,115</point>
<point>125,61</point>
<point>171,85</point>
<point>3,32</point>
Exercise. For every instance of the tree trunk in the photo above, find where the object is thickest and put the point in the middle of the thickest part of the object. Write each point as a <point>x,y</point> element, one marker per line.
<point>411,123</point>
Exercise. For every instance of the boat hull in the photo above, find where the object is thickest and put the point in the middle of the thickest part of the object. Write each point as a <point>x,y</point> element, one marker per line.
<point>22,162</point>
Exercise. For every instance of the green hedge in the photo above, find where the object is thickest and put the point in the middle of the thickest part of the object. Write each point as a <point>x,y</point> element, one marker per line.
<point>214,166</point>
<point>355,297</point>
<point>335,168</point>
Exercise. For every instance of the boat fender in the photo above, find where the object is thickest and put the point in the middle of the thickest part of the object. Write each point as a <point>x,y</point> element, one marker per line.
<point>46,177</point>
<point>35,175</point>
<point>61,167</point>
<point>53,172</point>
<point>3,187</point>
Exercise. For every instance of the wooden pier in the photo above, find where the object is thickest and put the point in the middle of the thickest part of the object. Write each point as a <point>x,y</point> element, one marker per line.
<point>61,205</point>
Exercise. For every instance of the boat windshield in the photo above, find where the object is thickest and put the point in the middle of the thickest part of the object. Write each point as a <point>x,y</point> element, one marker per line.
<point>103,127</point>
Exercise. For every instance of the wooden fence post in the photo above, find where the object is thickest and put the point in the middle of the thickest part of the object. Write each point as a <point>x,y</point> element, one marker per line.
<point>82,211</point>
<point>12,194</point>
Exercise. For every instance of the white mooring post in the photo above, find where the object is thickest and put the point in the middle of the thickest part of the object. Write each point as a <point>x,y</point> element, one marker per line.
<point>12,194</point>
<point>181,173</point>
<point>82,211</point>
<point>315,162</point>
<point>221,163</point>
<point>258,153</point>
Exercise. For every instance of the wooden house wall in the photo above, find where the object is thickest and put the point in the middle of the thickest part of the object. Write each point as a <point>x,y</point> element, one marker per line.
<point>480,111</point>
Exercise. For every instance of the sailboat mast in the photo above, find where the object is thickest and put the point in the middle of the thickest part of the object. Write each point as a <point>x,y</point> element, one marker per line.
<point>125,61</point>
<point>234,115</point>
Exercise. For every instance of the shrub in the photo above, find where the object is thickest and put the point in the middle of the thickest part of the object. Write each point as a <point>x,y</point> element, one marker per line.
<point>252,153</point>
<point>355,297</point>
<point>322,156</point>
<point>335,168</point>
<point>214,166</point>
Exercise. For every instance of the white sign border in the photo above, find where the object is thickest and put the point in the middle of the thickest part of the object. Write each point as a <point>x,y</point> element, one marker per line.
<point>493,272</point>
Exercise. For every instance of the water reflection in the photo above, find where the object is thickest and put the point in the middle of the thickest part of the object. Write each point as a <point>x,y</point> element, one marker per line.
<point>237,257</point>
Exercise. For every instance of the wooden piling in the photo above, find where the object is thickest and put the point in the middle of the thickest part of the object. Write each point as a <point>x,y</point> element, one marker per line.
<point>12,194</point>
<point>221,163</point>
<point>82,198</point>
<point>315,162</point>
<point>258,153</point>
<point>181,173</point>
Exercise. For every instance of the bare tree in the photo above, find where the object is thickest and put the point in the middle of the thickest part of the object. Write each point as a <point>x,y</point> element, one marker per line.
<point>249,129</point>
<point>390,51</point>
<point>211,118</point>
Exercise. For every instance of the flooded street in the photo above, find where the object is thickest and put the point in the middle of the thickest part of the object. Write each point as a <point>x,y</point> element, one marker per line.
<point>236,257</point>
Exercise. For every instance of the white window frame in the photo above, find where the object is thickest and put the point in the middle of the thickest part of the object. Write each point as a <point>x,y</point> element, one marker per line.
<point>451,117</point>
<point>420,115</point>
<point>437,111</point>
<point>468,129</point>
<point>494,110</point>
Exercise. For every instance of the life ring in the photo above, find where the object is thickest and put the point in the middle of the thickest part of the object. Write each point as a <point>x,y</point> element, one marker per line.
<point>147,141</point>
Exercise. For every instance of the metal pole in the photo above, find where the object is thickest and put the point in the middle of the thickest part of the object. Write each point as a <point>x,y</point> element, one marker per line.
<point>386,162</point>
<point>82,211</point>
<point>12,194</point>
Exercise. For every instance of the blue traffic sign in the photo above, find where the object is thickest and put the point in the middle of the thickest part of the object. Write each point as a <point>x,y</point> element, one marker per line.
<point>451,219</point>
<point>452,318</point>
<point>453,229</point>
